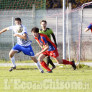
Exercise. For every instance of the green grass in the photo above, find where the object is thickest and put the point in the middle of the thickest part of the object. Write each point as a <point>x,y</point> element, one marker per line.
<point>30,61</point>
<point>29,79</point>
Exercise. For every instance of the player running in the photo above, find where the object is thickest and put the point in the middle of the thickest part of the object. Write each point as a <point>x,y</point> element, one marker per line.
<point>23,43</point>
<point>48,50</point>
<point>49,33</point>
<point>88,28</point>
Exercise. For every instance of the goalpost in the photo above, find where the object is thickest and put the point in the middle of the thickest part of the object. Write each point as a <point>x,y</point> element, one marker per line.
<point>80,43</point>
<point>75,41</point>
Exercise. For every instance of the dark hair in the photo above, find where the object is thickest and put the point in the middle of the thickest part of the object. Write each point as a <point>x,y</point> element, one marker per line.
<point>18,19</point>
<point>35,30</point>
<point>43,21</point>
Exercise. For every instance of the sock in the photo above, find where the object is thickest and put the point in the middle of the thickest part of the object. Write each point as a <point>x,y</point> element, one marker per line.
<point>50,61</point>
<point>45,66</point>
<point>66,62</point>
<point>47,62</point>
<point>13,61</point>
<point>38,65</point>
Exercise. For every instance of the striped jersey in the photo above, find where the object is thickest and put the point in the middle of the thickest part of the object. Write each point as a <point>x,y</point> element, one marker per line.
<point>20,31</point>
<point>43,39</point>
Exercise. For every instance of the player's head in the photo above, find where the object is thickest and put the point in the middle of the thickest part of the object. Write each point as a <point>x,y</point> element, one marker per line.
<point>43,23</point>
<point>35,31</point>
<point>17,21</point>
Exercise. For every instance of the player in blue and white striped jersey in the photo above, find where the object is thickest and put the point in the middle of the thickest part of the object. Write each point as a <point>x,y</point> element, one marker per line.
<point>23,43</point>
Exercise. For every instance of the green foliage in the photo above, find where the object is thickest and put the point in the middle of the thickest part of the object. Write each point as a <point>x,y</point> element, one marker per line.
<point>58,3</point>
<point>78,3</point>
<point>40,4</point>
<point>22,4</point>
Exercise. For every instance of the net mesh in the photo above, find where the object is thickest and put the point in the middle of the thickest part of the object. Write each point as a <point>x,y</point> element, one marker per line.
<point>21,4</point>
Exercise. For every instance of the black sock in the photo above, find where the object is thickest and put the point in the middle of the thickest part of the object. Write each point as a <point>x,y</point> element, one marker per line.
<point>49,61</point>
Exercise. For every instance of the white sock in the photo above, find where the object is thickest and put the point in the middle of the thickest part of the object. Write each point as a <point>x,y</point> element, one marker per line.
<point>39,66</point>
<point>13,61</point>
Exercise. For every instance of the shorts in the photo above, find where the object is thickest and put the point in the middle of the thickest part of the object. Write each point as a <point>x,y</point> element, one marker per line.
<point>27,50</point>
<point>53,53</point>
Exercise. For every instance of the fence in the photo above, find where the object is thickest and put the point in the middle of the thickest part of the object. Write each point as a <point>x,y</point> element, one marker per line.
<point>54,21</point>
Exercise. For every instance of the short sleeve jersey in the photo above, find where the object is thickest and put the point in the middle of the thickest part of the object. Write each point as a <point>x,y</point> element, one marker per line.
<point>22,30</point>
<point>43,39</point>
<point>47,32</point>
<point>90,26</point>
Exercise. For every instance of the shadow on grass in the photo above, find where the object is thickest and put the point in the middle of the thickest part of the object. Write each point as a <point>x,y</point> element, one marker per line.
<point>79,66</point>
<point>27,69</point>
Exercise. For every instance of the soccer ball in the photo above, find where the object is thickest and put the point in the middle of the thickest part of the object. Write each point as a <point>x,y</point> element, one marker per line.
<point>19,28</point>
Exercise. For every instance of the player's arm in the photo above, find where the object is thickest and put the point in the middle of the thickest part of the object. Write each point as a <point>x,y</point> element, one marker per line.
<point>39,44</point>
<point>24,36</point>
<point>54,38</point>
<point>43,50</point>
<point>4,30</point>
<point>46,47</point>
<point>86,29</point>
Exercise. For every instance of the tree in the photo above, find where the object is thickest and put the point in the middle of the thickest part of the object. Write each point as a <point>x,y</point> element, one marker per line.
<point>58,3</point>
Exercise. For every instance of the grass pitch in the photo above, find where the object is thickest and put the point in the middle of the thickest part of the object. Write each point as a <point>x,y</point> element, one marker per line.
<point>29,79</point>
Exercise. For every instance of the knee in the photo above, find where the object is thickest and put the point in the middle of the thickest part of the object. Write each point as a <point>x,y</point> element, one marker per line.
<point>58,62</point>
<point>10,55</point>
<point>40,59</point>
<point>34,59</point>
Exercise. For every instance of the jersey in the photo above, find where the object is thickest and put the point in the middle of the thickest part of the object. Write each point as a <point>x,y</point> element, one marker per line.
<point>43,39</point>
<point>22,30</point>
<point>47,32</point>
<point>90,26</point>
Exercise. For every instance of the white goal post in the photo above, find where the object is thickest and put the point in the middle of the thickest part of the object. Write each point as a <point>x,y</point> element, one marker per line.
<point>80,44</point>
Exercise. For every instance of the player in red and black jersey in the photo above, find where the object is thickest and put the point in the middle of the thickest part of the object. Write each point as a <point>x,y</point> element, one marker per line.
<point>48,49</point>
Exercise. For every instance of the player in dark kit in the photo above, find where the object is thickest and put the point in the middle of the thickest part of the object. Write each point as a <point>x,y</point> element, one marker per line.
<point>48,50</point>
<point>49,33</point>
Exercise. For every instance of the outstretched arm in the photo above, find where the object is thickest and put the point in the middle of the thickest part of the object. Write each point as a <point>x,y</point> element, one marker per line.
<point>24,36</point>
<point>86,29</point>
<point>4,30</point>
<point>39,44</point>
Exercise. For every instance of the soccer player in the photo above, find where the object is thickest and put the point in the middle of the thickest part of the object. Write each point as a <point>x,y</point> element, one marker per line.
<point>49,33</point>
<point>88,28</point>
<point>23,43</point>
<point>48,50</point>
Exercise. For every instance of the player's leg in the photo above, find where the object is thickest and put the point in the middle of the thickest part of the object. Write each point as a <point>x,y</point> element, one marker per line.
<point>11,56</point>
<point>49,61</point>
<point>40,58</point>
<point>27,50</point>
<point>15,49</point>
<point>63,61</point>
<point>37,63</point>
